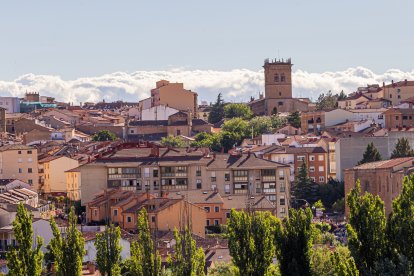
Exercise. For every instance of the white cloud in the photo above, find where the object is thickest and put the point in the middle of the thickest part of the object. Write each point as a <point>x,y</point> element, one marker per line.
<point>235,85</point>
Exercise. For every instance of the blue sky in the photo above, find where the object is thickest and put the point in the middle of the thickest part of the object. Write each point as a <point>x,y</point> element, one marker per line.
<point>75,39</point>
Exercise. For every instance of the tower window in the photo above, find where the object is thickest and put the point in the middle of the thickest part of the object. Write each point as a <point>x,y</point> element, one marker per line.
<point>280,93</point>
<point>282,78</point>
<point>276,78</point>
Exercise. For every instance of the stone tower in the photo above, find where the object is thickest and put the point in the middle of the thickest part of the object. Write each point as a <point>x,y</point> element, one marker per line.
<point>278,79</point>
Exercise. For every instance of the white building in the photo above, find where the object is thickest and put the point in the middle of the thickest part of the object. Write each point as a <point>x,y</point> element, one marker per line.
<point>90,248</point>
<point>157,113</point>
<point>11,104</point>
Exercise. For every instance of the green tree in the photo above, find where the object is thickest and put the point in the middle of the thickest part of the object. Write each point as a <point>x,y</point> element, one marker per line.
<point>228,140</point>
<point>238,127</point>
<point>342,96</point>
<point>338,262</point>
<point>251,241</point>
<point>217,111</point>
<point>400,226</point>
<point>104,135</point>
<point>223,269</point>
<point>366,228</point>
<point>278,121</point>
<point>294,243</point>
<point>172,142</point>
<point>327,101</point>
<point>330,192</point>
<point>188,260</point>
<point>237,110</point>
<point>145,259</point>
<point>67,251</point>
<point>108,251</point>
<point>371,154</point>
<point>207,140</point>
<point>294,119</point>
<point>402,149</point>
<point>24,259</point>
<point>303,186</point>
<point>260,125</point>
<point>343,266</point>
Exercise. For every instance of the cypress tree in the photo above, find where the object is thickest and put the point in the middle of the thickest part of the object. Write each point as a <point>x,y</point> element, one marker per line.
<point>402,149</point>
<point>371,154</point>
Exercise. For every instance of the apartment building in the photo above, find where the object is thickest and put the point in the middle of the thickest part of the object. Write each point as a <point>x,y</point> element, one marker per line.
<point>52,178</point>
<point>11,104</point>
<point>159,170</point>
<point>399,91</point>
<point>382,178</point>
<point>19,162</point>
<point>73,182</point>
<point>399,117</point>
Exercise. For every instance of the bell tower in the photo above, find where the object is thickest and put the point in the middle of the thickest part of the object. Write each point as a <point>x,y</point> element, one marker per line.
<point>278,78</point>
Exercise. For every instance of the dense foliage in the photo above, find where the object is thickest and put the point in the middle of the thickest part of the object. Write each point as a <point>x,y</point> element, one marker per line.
<point>402,149</point>
<point>104,135</point>
<point>371,154</point>
<point>237,110</point>
<point>108,251</point>
<point>217,111</point>
<point>172,141</point>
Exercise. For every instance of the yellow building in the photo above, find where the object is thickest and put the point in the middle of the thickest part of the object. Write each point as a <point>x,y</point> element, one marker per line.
<point>73,180</point>
<point>19,162</point>
<point>397,92</point>
<point>52,176</point>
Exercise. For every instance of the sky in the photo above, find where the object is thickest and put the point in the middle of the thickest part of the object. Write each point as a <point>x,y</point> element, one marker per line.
<point>89,50</point>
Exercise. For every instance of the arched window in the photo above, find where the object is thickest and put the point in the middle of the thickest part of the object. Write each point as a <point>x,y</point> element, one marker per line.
<point>276,78</point>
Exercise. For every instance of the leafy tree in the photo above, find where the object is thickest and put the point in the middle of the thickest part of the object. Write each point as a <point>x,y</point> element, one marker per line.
<point>228,140</point>
<point>339,205</point>
<point>172,141</point>
<point>366,228</point>
<point>330,192</point>
<point>400,227</point>
<point>104,135</point>
<point>278,121</point>
<point>327,101</point>
<point>402,149</point>
<point>260,125</point>
<point>24,259</point>
<point>371,154</point>
<point>188,260</point>
<point>207,140</point>
<point>343,266</point>
<point>145,259</point>
<point>238,127</point>
<point>304,187</point>
<point>319,205</point>
<point>108,251</point>
<point>251,241</point>
<point>294,119</point>
<point>339,262</point>
<point>237,110</point>
<point>217,111</point>
<point>67,251</point>
<point>223,269</point>
<point>294,243</point>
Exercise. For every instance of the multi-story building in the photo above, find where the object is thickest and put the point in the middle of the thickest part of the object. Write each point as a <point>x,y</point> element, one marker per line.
<point>52,178</point>
<point>399,117</point>
<point>73,182</point>
<point>278,90</point>
<point>19,162</point>
<point>11,104</point>
<point>397,92</point>
<point>174,170</point>
<point>382,178</point>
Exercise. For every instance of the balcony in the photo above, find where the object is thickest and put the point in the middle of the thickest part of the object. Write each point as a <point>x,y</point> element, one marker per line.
<point>174,174</point>
<point>240,179</point>
<point>240,191</point>
<point>269,178</point>
<point>174,187</point>
<point>124,176</point>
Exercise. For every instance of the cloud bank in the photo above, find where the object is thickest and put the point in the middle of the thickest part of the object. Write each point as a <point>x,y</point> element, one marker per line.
<point>235,85</point>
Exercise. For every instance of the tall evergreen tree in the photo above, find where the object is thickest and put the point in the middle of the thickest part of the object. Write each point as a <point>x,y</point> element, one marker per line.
<point>188,260</point>
<point>400,227</point>
<point>366,229</point>
<point>294,119</point>
<point>24,259</point>
<point>67,251</point>
<point>402,149</point>
<point>371,154</point>
<point>304,187</point>
<point>294,243</point>
<point>251,241</point>
<point>108,251</point>
<point>145,259</point>
<point>217,111</point>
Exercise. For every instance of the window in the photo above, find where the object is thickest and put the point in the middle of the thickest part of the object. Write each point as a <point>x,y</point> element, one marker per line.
<point>216,222</point>
<point>29,170</point>
<point>20,160</point>
<point>300,158</point>
<point>282,78</point>
<point>147,172</point>
<point>276,78</point>
<point>208,222</point>
<point>216,209</point>
<point>281,175</point>
<point>280,103</point>
<point>271,197</point>
<point>404,117</point>
<point>282,187</point>
<point>153,219</point>
<point>399,96</point>
<point>198,184</point>
<point>320,157</point>
<point>178,132</point>
<point>282,210</point>
<point>19,152</point>
<point>313,178</point>
<point>29,152</point>
<point>213,177</point>
<point>207,209</point>
<point>321,179</point>
<point>198,171</point>
<point>227,215</point>
<point>397,118</point>
<point>312,169</point>
<point>227,188</point>
<point>29,160</point>
<point>268,172</point>
<point>282,201</point>
<point>20,170</point>
<point>311,157</point>
<point>95,212</point>
<point>380,116</point>
<point>321,168</point>
<point>213,186</point>
<point>30,181</point>
<point>131,131</point>
<point>129,219</point>
<point>115,212</point>
<point>227,176</point>
<point>155,173</point>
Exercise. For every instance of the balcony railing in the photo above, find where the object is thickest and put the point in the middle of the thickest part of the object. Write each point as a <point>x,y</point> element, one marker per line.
<point>240,191</point>
<point>177,174</point>
<point>124,176</point>
<point>240,179</point>
<point>269,178</point>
